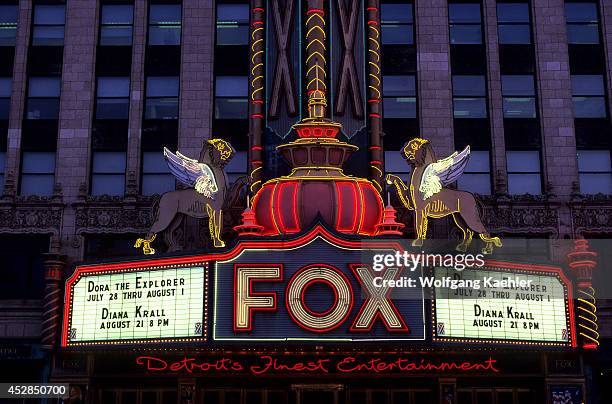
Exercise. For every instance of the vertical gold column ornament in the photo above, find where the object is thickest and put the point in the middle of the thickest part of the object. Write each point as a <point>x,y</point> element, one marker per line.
<point>256,93</point>
<point>582,261</point>
<point>375,93</point>
<point>316,64</point>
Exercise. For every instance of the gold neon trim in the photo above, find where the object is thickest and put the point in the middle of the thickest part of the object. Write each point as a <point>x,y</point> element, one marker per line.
<point>255,91</point>
<point>317,80</point>
<point>313,16</point>
<point>260,64</point>
<point>313,28</point>
<point>255,183</point>
<point>272,197</point>
<point>255,55</point>
<point>375,89</point>
<point>375,65</point>
<point>255,43</point>
<point>256,30</point>
<point>375,53</point>
<point>315,66</point>
<point>313,41</point>
<point>589,303</point>
<point>375,30</point>
<point>589,338</point>
<point>589,320</point>
<point>594,316</point>
<point>376,184</point>
<point>375,42</point>
<point>375,77</point>
<point>316,53</point>
<point>377,169</point>
<point>590,329</point>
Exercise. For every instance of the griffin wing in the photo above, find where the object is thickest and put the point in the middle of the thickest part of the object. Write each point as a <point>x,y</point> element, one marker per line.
<point>443,172</point>
<point>191,173</point>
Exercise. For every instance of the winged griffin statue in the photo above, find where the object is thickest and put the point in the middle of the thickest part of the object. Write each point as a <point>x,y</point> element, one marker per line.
<point>205,197</point>
<point>427,197</point>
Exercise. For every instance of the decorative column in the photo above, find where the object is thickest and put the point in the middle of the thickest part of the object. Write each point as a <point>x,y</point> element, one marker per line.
<point>434,75</point>
<point>582,261</point>
<point>605,9</point>
<point>197,76</point>
<point>316,64</point>
<point>375,94</point>
<point>137,91</point>
<point>496,111</point>
<point>18,95</point>
<point>257,93</point>
<point>555,93</point>
<point>52,302</point>
<point>77,100</point>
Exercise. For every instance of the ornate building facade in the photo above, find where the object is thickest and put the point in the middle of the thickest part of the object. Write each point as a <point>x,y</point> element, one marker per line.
<point>92,90</point>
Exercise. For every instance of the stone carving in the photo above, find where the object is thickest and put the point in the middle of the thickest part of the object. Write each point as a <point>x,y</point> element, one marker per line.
<point>119,218</point>
<point>594,219</point>
<point>37,219</point>
<point>528,219</point>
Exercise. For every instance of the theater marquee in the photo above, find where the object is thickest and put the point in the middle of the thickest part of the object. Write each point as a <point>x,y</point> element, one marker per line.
<point>505,303</point>
<point>134,305</point>
<point>316,288</point>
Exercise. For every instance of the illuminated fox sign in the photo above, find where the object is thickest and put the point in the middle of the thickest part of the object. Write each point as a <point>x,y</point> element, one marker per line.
<point>319,289</point>
<point>377,301</point>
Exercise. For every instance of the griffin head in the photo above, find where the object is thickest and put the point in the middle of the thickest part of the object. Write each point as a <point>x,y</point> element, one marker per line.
<point>412,147</point>
<point>221,150</point>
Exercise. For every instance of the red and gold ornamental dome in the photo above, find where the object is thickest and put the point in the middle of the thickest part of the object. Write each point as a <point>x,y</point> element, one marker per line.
<point>317,188</point>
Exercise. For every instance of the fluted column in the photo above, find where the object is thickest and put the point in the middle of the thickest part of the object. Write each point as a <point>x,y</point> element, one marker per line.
<point>76,105</point>
<point>52,302</point>
<point>434,75</point>
<point>257,92</point>
<point>375,93</point>
<point>197,52</point>
<point>605,8</point>
<point>316,64</point>
<point>556,112</point>
<point>18,96</point>
<point>496,111</point>
<point>137,91</point>
<point>582,261</point>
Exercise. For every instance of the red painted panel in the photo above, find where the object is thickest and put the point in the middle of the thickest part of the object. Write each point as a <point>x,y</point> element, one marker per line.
<point>372,209</point>
<point>348,207</point>
<point>286,203</point>
<point>317,198</point>
<point>262,205</point>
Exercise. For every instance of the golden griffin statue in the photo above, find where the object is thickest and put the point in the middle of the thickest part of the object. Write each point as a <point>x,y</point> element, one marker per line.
<point>427,197</point>
<point>205,197</point>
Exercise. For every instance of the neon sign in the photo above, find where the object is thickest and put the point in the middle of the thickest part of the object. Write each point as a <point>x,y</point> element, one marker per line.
<point>535,311</point>
<point>136,306</point>
<point>280,293</point>
<point>376,305</point>
<point>322,365</point>
<point>315,288</point>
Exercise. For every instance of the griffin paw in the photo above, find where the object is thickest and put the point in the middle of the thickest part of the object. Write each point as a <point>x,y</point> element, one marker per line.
<point>461,247</point>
